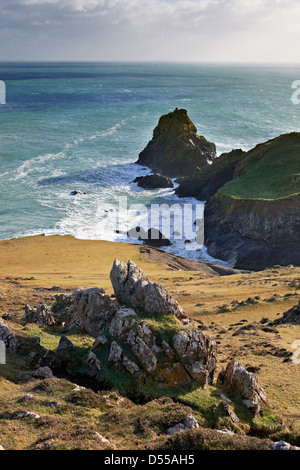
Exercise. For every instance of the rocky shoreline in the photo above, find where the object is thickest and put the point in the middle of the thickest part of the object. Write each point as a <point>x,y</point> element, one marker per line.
<point>253,224</point>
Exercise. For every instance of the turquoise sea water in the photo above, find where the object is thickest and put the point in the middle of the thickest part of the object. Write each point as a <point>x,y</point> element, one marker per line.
<point>69,127</point>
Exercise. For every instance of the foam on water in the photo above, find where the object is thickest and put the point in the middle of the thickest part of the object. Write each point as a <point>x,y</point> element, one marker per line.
<point>63,131</point>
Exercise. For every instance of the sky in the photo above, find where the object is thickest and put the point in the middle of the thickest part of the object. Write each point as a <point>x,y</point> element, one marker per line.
<point>150,30</point>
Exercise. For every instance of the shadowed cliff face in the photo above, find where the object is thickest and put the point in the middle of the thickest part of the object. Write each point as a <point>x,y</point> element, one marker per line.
<point>253,234</point>
<point>253,221</point>
<point>176,149</point>
<point>252,215</point>
<point>204,184</point>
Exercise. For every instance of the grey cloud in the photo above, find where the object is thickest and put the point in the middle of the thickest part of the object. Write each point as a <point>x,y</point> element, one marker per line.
<point>144,29</point>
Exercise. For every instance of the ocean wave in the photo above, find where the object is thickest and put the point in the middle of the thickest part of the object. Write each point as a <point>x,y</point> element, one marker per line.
<point>36,164</point>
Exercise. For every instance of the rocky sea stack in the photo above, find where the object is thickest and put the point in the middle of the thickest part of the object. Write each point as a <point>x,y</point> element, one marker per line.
<point>175,149</point>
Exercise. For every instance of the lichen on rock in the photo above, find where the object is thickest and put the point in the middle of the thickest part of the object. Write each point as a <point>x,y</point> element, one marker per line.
<point>237,379</point>
<point>135,290</point>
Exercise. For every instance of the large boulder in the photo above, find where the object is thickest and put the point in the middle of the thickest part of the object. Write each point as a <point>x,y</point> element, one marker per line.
<point>151,237</point>
<point>176,149</point>
<point>154,182</point>
<point>198,352</point>
<point>133,289</point>
<point>90,310</point>
<point>237,379</point>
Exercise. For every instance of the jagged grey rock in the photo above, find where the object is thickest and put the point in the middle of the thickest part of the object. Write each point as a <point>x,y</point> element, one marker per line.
<point>130,366</point>
<point>65,343</point>
<point>230,412</point>
<point>282,445</point>
<point>98,343</point>
<point>167,349</point>
<point>225,431</point>
<point>236,378</point>
<point>122,322</point>
<point>133,289</point>
<point>254,407</point>
<point>115,355</point>
<point>90,310</point>
<point>43,373</point>
<point>291,316</point>
<point>8,337</point>
<point>42,315</point>
<point>144,354</point>
<point>199,354</point>
<point>189,423</point>
<point>93,361</point>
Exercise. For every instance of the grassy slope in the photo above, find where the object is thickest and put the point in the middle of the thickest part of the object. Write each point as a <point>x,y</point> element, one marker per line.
<point>72,263</point>
<point>270,171</point>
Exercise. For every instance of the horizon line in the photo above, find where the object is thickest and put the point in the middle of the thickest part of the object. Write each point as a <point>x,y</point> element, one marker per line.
<point>68,61</point>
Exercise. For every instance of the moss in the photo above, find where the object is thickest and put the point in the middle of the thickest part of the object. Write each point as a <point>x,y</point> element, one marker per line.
<point>266,424</point>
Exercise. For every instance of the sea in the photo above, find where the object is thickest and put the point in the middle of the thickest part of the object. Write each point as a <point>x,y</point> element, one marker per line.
<point>80,127</point>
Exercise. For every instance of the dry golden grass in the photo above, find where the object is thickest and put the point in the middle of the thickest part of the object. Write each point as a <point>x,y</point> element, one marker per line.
<point>30,267</point>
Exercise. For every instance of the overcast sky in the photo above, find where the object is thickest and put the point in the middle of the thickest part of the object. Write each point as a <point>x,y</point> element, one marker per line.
<point>162,30</point>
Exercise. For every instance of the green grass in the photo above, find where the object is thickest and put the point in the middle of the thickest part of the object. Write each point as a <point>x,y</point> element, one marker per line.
<point>269,171</point>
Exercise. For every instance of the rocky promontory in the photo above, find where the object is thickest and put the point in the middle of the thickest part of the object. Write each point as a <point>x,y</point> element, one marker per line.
<point>205,183</point>
<point>252,217</point>
<point>175,149</point>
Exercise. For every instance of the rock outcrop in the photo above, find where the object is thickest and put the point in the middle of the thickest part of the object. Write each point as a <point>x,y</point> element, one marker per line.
<point>133,348</point>
<point>144,335</point>
<point>238,380</point>
<point>8,337</point>
<point>291,316</point>
<point>154,182</point>
<point>43,373</point>
<point>90,309</point>
<point>133,289</point>
<point>205,183</point>
<point>198,352</point>
<point>188,423</point>
<point>151,237</point>
<point>42,315</point>
<point>175,149</point>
